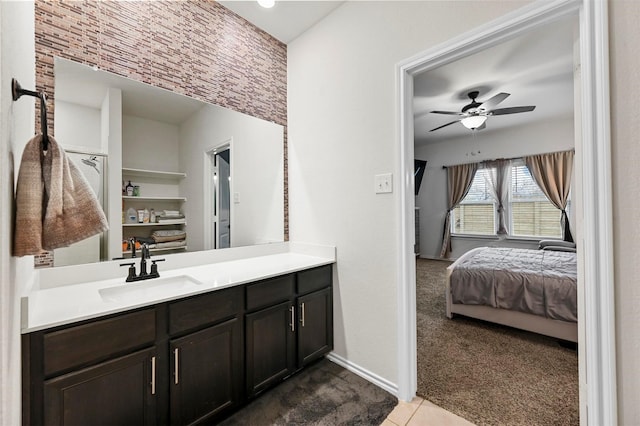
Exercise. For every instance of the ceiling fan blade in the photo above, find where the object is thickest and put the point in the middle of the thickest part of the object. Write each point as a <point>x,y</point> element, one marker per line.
<point>513,110</point>
<point>494,101</point>
<point>446,112</point>
<point>445,125</point>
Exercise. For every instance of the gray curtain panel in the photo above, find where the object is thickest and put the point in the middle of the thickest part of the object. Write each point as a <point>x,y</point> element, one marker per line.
<point>499,175</point>
<point>459,180</point>
<point>552,172</point>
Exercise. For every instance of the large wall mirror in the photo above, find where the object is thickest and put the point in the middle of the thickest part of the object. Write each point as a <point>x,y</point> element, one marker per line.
<point>201,176</point>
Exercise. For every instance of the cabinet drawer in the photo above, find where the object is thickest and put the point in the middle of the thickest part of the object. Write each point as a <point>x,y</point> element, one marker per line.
<point>204,309</point>
<point>314,279</point>
<point>96,341</point>
<point>269,292</point>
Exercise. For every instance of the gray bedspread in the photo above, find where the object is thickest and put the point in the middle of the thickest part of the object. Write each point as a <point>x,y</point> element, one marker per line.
<point>538,282</point>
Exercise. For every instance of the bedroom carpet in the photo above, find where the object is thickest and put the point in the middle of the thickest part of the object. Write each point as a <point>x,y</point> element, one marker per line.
<point>487,373</point>
<point>322,394</point>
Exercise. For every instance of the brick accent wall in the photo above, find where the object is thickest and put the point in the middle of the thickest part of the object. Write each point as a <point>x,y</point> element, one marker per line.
<point>197,48</point>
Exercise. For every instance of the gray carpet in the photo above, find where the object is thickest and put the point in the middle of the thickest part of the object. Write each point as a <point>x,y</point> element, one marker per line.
<point>322,394</point>
<point>486,373</point>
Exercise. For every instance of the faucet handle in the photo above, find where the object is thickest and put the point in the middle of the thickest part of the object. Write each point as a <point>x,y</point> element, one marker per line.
<point>154,267</point>
<point>132,271</point>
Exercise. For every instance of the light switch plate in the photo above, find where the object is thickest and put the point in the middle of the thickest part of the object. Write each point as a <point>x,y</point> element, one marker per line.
<point>384,183</point>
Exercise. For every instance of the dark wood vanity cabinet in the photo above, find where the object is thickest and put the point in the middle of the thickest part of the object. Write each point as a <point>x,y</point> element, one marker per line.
<point>289,323</point>
<point>315,327</point>
<point>315,308</point>
<point>190,361</point>
<point>115,392</point>
<point>206,366</point>
<point>100,372</point>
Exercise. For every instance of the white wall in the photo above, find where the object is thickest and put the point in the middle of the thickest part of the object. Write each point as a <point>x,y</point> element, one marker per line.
<point>550,136</point>
<point>150,144</point>
<point>342,131</point>
<point>78,127</point>
<point>257,174</point>
<point>625,104</point>
<point>17,59</point>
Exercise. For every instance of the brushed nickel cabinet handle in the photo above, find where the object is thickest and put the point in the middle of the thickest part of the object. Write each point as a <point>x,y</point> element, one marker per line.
<point>153,375</point>
<point>175,357</point>
<point>293,318</point>
<point>302,315</point>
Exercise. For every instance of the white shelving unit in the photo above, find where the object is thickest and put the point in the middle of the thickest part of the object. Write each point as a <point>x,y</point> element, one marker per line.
<point>157,250</point>
<point>179,199</point>
<point>159,190</point>
<point>154,174</point>
<point>163,223</point>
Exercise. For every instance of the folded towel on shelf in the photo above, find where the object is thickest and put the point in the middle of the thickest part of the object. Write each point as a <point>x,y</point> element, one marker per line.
<point>168,235</point>
<point>170,213</point>
<point>162,218</point>
<point>171,244</point>
<point>55,206</point>
<point>145,240</point>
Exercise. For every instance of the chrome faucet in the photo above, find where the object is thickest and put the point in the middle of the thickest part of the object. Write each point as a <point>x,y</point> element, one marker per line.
<point>144,275</point>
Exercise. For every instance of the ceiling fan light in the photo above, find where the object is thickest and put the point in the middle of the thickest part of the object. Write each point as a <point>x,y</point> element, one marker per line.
<point>474,121</point>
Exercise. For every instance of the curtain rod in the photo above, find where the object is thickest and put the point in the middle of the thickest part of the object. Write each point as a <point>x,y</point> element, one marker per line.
<point>512,158</point>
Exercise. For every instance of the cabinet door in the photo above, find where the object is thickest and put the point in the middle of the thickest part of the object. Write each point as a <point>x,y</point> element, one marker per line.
<point>207,373</point>
<point>116,392</point>
<point>315,327</point>
<point>270,337</point>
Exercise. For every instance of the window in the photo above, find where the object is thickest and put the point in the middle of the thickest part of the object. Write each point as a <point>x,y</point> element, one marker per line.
<point>476,213</point>
<point>532,214</point>
<point>529,212</point>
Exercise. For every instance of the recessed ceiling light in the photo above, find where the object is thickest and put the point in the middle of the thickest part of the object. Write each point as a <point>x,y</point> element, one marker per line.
<point>267,3</point>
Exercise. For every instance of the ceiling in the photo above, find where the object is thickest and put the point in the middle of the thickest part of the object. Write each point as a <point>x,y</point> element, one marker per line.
<point>536,69</point>
<point>287,19</point>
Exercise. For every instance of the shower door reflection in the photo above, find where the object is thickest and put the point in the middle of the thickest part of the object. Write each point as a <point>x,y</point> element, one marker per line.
<point>92,249</point>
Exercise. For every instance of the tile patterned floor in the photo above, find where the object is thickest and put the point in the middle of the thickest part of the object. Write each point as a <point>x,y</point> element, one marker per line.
<point>420,412</point>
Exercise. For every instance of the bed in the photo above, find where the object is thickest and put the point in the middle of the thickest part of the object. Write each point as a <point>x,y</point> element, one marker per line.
<point>533,290</point>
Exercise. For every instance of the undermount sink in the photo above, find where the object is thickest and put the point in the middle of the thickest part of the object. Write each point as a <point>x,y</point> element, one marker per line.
<point>154,287</point>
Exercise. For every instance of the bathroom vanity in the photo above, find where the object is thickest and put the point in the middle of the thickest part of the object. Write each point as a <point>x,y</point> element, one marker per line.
<point>194,353</point>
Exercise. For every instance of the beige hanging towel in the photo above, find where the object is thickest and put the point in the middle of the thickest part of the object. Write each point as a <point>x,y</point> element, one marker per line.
<point>55,206</point>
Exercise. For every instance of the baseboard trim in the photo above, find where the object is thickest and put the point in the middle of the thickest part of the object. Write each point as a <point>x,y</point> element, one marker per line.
<point>383,383</point>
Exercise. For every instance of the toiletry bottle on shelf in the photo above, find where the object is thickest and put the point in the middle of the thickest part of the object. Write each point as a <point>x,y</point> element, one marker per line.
<point>152,216</point>
<point>129,188</point>
<point>145,218</point>
<point>132,216</point>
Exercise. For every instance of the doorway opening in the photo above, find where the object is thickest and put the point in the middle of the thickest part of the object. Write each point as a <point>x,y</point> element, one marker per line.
<point>592,193</point>
<point>497,366</point>
<point>219,197</point>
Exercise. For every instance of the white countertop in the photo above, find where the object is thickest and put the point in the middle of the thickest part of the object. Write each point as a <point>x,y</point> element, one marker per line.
<point>50,307</point>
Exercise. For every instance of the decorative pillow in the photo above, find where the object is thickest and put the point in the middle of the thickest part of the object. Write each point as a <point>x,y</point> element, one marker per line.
<point>559,248</point>
<point>557,243</point>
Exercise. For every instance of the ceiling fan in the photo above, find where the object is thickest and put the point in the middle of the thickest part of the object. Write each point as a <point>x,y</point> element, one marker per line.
<point>474,115</point>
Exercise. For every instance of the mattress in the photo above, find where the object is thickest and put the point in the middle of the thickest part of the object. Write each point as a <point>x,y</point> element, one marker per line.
<point>538,282</point>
